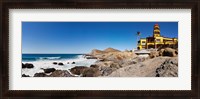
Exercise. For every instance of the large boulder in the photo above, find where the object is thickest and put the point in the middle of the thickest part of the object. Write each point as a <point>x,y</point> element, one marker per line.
<point>107,67</point>
<point>29,65</point>
<point>169,52</point>
<point>60,73</point>
<point>49,70</point>
<point>78,70</point>
<point>55,63</point>
<point>91,72</point>
<point>23,66</point>
<point>60,64</point>
<point>153,54</point>
<point>24,75</point>
<point>40,75</point>
<point>161,52</point>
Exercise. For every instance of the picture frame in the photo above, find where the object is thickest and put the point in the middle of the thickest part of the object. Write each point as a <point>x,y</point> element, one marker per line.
<point>194,5</point>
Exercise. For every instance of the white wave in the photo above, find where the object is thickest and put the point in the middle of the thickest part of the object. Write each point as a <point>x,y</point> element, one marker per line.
<point>79,61</point>
<point>50,58</point>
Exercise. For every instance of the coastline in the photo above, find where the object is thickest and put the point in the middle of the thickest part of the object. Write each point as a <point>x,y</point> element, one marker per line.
<point>113,63</point>
<point>41,64</point>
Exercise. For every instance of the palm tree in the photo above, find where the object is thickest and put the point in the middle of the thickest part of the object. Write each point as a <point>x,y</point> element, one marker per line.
<point>138,36</point>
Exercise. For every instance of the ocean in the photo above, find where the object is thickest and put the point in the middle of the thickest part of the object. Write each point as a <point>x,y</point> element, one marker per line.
<point>39,57</point>
<point>46,61</point>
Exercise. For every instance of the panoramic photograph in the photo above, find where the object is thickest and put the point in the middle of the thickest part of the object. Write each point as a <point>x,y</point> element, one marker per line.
<point>99,49</point>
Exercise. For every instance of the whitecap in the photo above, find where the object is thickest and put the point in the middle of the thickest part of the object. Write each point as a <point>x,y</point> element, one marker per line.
<point>39,64</point>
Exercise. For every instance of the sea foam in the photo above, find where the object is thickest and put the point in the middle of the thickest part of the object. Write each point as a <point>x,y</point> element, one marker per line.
<point>42,64</point>
<point>50,58</point>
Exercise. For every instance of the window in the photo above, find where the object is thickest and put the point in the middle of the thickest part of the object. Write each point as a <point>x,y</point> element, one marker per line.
<point>158,40</point>
<point>143,43</point>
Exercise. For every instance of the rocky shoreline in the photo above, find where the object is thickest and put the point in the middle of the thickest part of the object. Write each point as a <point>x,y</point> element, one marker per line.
<point>115,63</point>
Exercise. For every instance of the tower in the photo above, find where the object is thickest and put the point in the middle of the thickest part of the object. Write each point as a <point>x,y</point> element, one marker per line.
<point>156,31</point>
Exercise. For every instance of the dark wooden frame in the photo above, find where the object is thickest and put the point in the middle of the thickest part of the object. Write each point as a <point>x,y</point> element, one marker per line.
<point>192,4</point>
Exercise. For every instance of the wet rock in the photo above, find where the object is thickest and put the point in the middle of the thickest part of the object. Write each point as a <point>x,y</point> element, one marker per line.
<point>60,64</point>
<point>49,70</point>
<point>73,62</point>
<point>78,70</point>
<point>94,66</point>
<point>23,66</point>
<point>23,75</point>
<point>91,57</point>
<point>40,75</point>
<point>29,65</point>
<point>55,63</point>
<point>91,72</point>
<point>67,62</point>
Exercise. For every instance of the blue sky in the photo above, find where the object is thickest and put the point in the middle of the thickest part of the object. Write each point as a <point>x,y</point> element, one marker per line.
<point>82,37</point>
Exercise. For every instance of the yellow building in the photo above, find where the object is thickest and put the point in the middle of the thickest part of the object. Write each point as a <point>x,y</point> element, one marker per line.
<point>156,41</point>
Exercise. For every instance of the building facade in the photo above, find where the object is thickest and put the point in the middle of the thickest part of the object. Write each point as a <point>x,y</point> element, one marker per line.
<point>156,40</point>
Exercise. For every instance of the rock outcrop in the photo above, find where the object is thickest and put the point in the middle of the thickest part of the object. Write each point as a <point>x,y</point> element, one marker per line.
<point>40,75</point>
<point>23,66</point>
<point>99,52</point>
<point>111,59</point>
<point>60,64</point>
<point>141,69</point>
<point>56,73</point>
<point>91,72</point>
<point>60,73</point>
<point>91,57</point>
<point>23,75</point>
<point>110,50</point>
<point>96,52</point>
<point>55,63</point>
<point>77,70</point>
<point>27,65</point>
<point>84,71</point>
<point>153,54</point>
<point>115,63</point>
<point>107,67</point>
<point>168,69</point>
<point>49,70</point>
<point>168,52</point>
